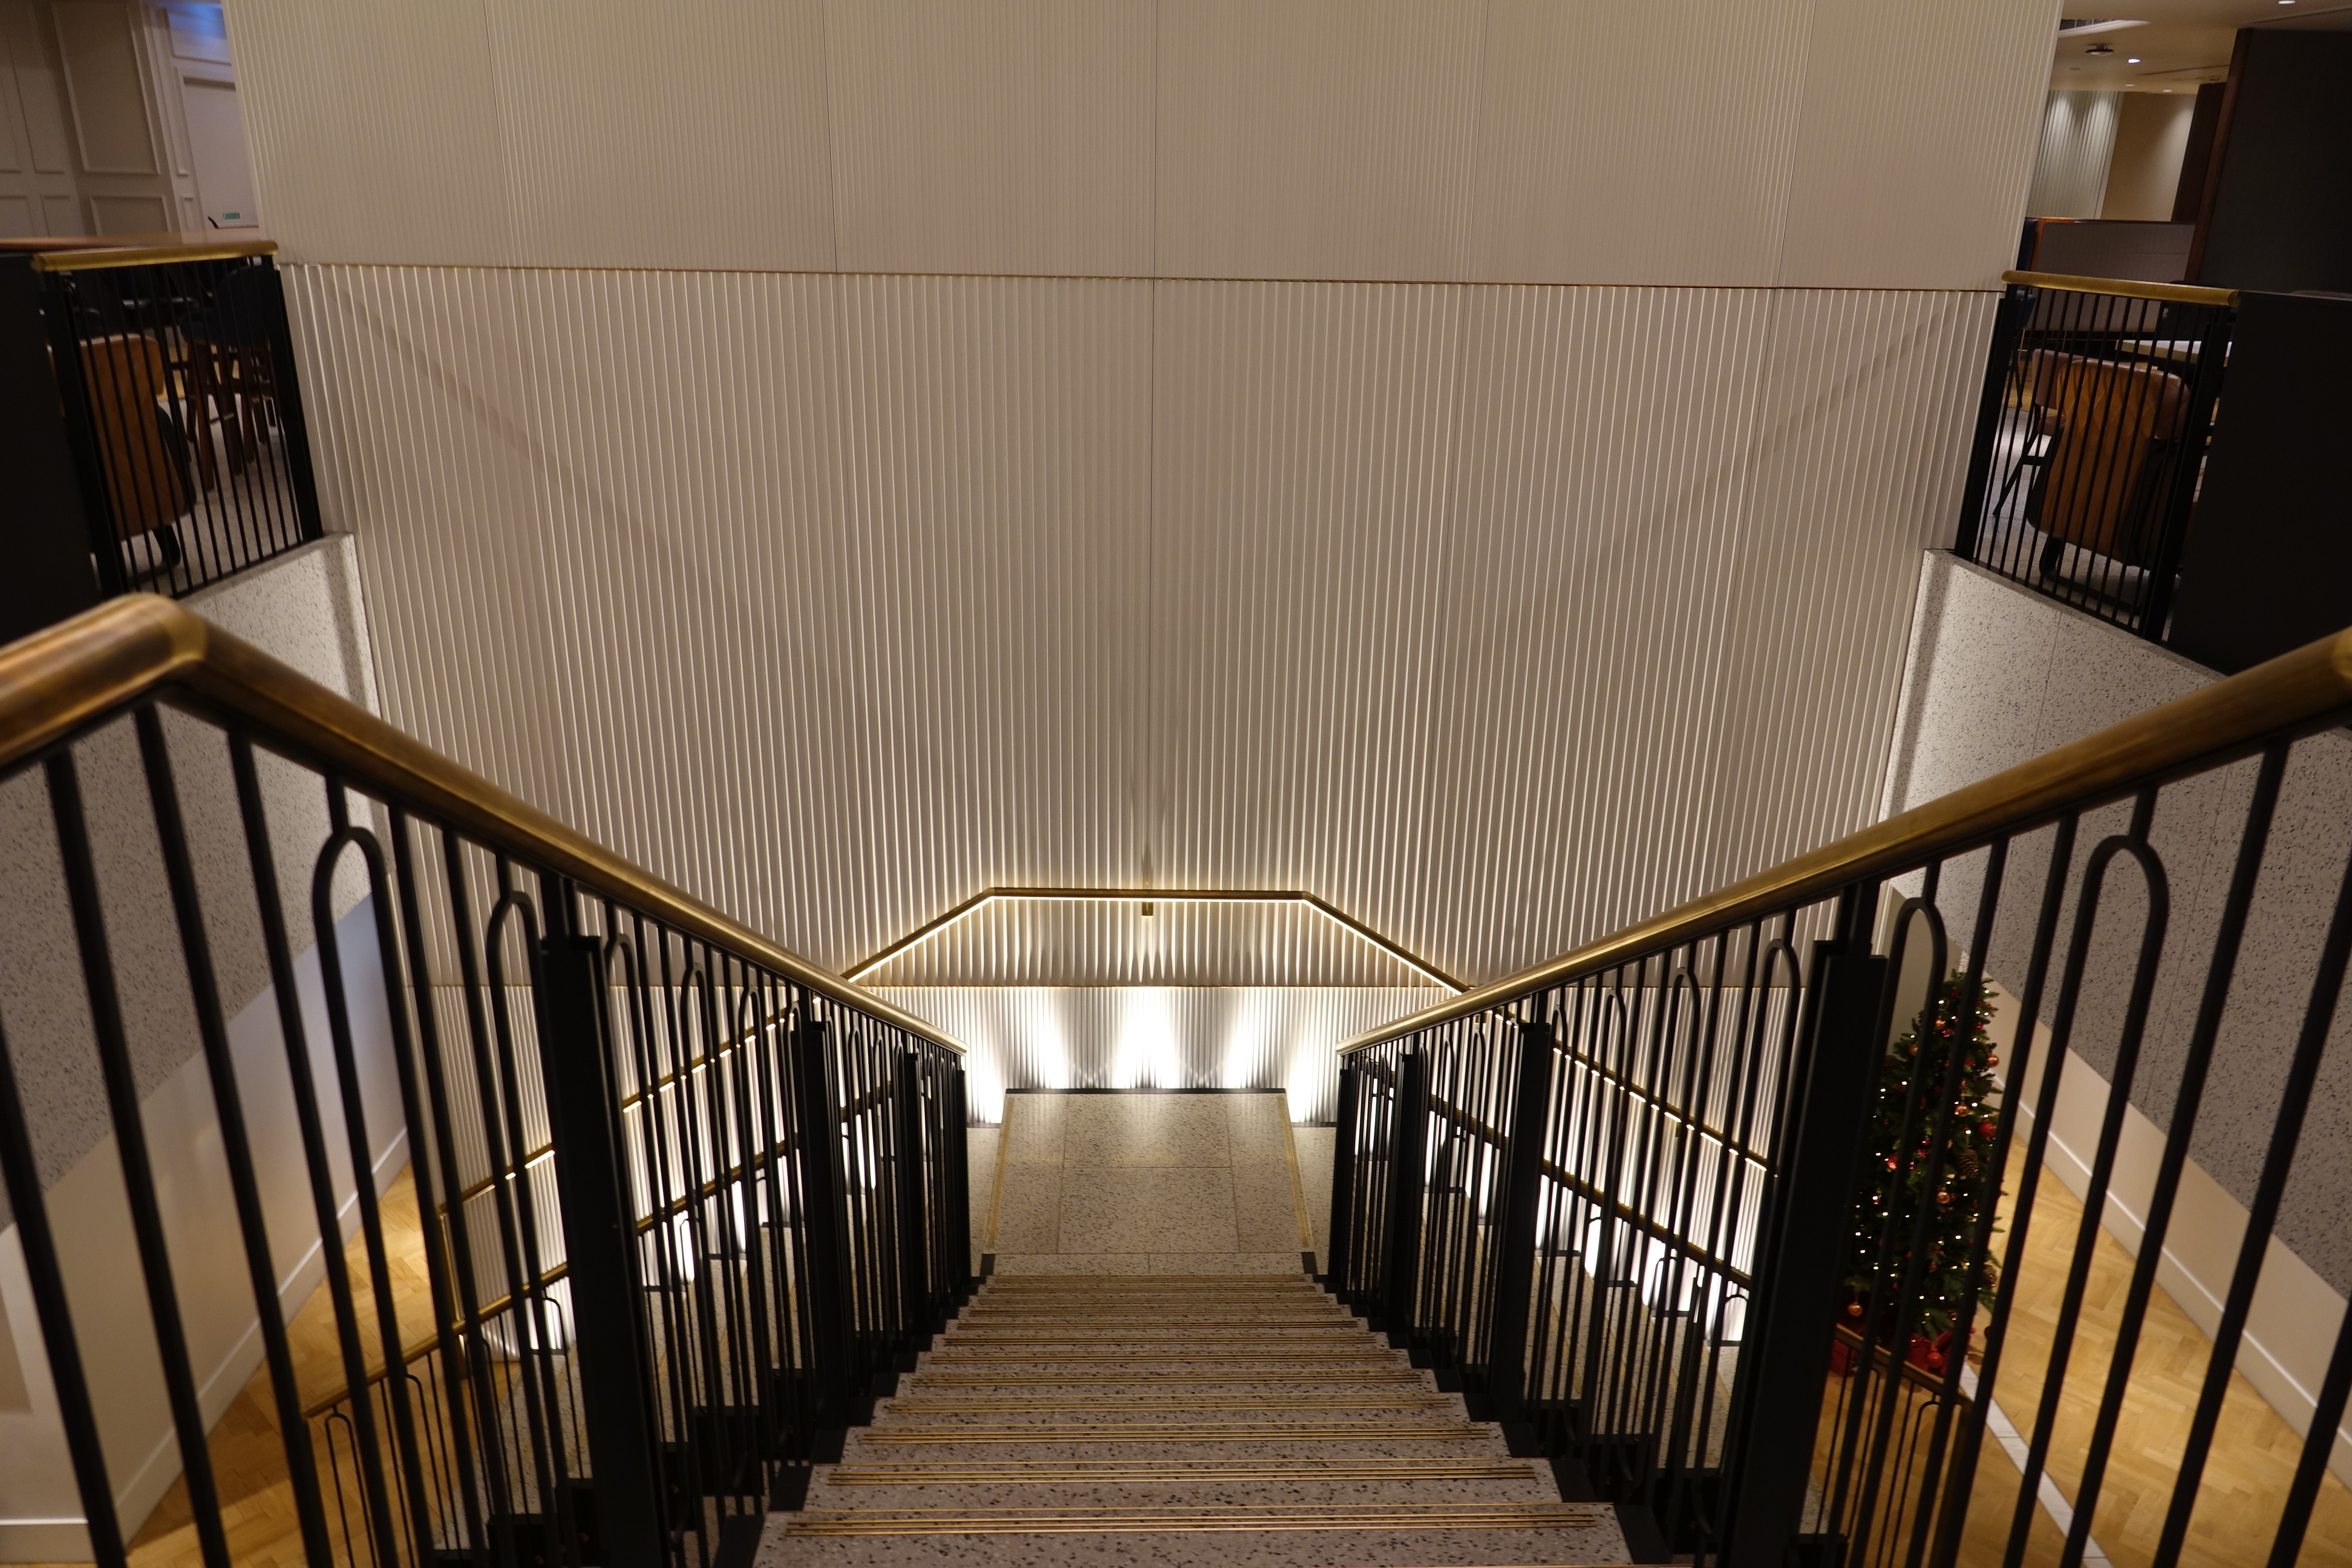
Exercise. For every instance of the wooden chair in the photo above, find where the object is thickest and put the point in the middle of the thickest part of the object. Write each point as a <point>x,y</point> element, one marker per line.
<point>138,442</point>
<point>2100,489</point>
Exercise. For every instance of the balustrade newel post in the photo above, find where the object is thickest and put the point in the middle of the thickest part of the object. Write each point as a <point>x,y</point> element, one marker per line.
<point>1408,1188</point>
<point>1806,1249</point>
<point>917,1322</point>
<point>816,1157</point>
<point>1507,1339</point>
<point>1336,1259</point>
<point>600,1237</point>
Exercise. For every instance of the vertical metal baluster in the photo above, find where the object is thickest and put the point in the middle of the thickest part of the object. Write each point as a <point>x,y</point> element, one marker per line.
<point>367,1454</point>
<point>2270,1192</point>
<point>228,1109</point>
<point>533,1434</point>
<point>2221,969</point>
<point>2029,1003</point>
<point>2134,844</point>
<point>467,1363</point>
<point>30,1211</point>
<point>363,1153</point>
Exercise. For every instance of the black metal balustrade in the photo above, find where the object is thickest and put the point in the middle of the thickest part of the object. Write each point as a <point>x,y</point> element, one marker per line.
<point>679,1198</point>
<point>2099,402</point>
<point>175,372</point>
<point>1634,1202</point>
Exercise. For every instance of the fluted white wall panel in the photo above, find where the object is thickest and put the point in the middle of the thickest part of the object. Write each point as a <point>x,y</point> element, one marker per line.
<point>1498,616</point>
<point>1315,138</point>
<point>2070,164</point>
<point>1651,143</point>
<point>1917,131</point>
<point>1877,143</point>
<point>1156,1036</point>
<point>670,135</point>
<point>993,135</point>
<point>374,129</point>
<point>1065,942</point>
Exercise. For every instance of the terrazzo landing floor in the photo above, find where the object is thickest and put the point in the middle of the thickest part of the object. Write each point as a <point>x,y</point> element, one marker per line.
<point>1197,1420</point>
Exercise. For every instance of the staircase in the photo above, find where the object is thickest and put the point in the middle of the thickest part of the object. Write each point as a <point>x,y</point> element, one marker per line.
<point>1232,1418</point>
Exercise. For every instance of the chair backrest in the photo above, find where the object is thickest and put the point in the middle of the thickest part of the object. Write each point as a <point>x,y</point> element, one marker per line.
<point>2109,417</point>
<point>129,385</point>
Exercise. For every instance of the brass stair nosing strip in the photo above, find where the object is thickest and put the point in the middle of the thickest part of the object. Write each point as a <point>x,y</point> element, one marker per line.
<point>1397,1374</point>
<point>1180,1470</point>
<point>990,1437</point>
<point>1289,1525</point>
<point>905,1406</point>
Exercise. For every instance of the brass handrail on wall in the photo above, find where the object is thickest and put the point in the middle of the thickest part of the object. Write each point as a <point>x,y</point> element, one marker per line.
<point>2122,287</point>
<point>81,671</point>
<point>2295,691</point>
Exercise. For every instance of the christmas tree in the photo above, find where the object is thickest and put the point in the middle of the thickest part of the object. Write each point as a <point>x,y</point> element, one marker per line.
<point>1958,1190</point>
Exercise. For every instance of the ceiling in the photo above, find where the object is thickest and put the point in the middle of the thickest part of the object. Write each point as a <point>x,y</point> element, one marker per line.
<point>2180,43</point>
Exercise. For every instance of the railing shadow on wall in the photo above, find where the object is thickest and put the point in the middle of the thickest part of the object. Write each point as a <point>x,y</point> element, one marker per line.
<point>683,1197</point>
<point>1729,1214</point>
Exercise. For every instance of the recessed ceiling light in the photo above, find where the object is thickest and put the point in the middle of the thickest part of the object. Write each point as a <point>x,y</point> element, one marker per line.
<point>2133,60</point>
<point>2100,49</point>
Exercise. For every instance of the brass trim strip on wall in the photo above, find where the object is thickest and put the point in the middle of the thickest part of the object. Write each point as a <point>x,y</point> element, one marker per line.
<point>938,923</point>
<point>2122,287</point>
<point>2296,693</point>
<point>81,671</point>
<point>149,255</point>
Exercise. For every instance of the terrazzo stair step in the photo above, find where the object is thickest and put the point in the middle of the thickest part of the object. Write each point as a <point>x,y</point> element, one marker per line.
<point>1380,1440</point>
<point>1393,1539</point>
<point>1259,1483</point>
<point>1284,1411</point>
<point>1110,1421</point>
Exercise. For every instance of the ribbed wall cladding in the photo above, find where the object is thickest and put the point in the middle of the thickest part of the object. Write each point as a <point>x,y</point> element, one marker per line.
<point>1497,616</point>
<point>1157,1037</point>
<point>1808,144</point>
<point>1552,565</point>
<point>2078,144</point>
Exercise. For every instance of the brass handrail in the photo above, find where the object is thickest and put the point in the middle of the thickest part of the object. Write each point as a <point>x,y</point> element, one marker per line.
<point>2124,287</point>
<point>56,682</point>
<point>80,260</point>
<point>2295,691</point>
<point>1338,916</point>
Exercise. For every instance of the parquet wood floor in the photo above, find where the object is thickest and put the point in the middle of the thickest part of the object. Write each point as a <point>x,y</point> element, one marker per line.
<point>2254,1453</point>
<point>248,1458</point>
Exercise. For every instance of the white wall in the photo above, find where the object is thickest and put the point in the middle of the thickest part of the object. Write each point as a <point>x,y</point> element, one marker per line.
<point>1998,675</point>
<point>2144,171</point>
<point>2070,165</point>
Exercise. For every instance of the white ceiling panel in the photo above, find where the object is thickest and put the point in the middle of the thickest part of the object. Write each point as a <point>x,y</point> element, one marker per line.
<point>1325,139</point>
<point>691,133</point>
<point>993,135</point>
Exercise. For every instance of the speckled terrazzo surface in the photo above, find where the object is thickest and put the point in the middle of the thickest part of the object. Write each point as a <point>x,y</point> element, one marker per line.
<point>1203,1419</point>
<point>1147,1183</point>
<point>1998,675</point>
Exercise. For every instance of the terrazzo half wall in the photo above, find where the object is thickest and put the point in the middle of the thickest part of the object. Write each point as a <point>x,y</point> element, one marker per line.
<point>1146,1182</point>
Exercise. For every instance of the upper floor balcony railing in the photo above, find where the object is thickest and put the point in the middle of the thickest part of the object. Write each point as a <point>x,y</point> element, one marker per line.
<point>157,418</point>
<point>2099,402</point>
